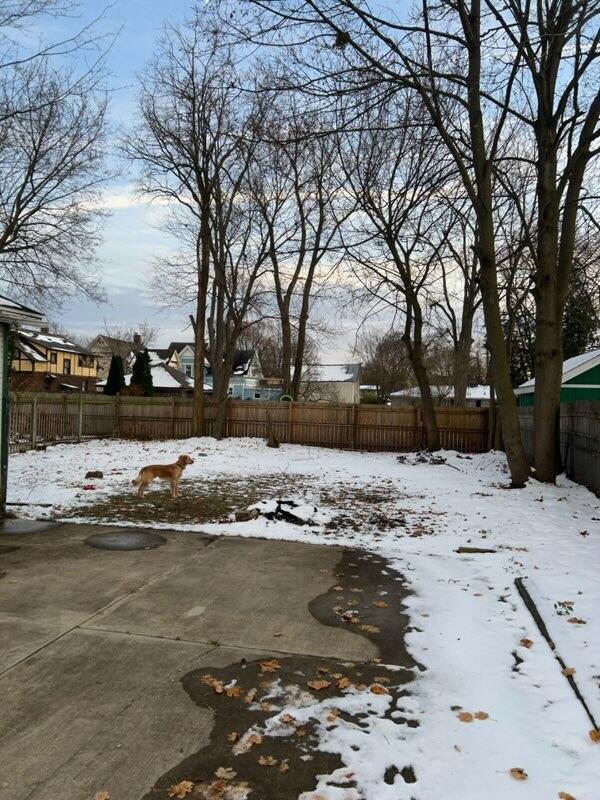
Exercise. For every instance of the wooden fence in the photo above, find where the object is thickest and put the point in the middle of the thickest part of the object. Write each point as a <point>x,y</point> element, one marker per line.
<point>37,419</point>
<point>579,440</point>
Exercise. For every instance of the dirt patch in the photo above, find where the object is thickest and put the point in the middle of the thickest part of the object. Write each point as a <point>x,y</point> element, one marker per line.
<point>258,748</point>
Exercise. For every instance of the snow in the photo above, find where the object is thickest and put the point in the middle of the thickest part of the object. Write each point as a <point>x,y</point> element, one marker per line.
<point>479,392</point>
<point>467,620</point>
<point>331,373</point>
<point>572,367</point>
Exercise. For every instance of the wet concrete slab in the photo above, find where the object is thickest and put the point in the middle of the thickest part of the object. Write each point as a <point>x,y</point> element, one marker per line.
<point>246,593</point>
<point>102,654</point>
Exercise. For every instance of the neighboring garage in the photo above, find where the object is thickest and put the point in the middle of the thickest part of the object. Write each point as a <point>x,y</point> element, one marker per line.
<point>580,381</point>
<point>11,315</point>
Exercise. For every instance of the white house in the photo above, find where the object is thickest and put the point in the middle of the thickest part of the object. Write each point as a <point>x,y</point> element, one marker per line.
<point>477,396</point>
<point>334,383</point>
<point>245,374</point>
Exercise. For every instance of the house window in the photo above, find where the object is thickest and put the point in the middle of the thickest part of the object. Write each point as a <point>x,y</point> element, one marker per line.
<point>188,370</point>
<point>230,391</point>
<point>257,395</point>
<point>84,386</point>
<point>52,357</point>
<point>67,366</point>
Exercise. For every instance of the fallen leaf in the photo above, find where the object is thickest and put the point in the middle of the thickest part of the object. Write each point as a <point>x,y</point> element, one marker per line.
<point>283,767</point>
<point>181,789</point>
<point>246,742</point>
<point>266,706</point>
<point>318,684</point>
<point>267,761</point>
<point>288,719</point>
<point>465,716</point>
<point>518,773</point>
<point>481,715</point>
<point>103,795</point>
<point>300,731</point>
<point>323,670</point>
<point>226,773</point>
<point>380,603</point>
<point>527,643</point>
<point>333,714</point>
<point>338,588</point>
<point>343,683</point>
<point>370,628</point>
<point>565,796</point>
<point>568,671</point>
<point>381,679</point>
<point>210,680</point>
<point>377,688</point>
<point>269,666</point>
<point>234,691</point>
<point>595,735</point>
<point>577,621</point>
<point>250,696</point>
<point>233,736</point>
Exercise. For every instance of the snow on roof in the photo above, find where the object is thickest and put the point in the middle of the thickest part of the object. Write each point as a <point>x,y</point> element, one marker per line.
<point>12,311</point>
<point>331,373</point>
<point>572,367</point>
<point>30,351</point>
<point>165,377</point>
<point>53,341</point>
<point>473,392</point>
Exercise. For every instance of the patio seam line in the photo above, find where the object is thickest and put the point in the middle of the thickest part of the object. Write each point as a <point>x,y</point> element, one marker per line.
<point>100,611</point>
<point>105,723</point>
<point>228,645</point>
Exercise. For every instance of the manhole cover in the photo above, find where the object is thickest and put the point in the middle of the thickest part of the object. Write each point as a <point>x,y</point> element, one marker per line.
<point>26,525</point>
<point>125,540</point>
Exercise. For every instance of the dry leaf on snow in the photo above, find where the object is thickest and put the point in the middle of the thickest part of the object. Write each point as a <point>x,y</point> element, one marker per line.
<point>318,684</point>
<point>565,796</point>
<point>481,715</point>
<point>288,719</point>
<point>518,773</point>
<point>226,773</point>
<point>181,789</point>
<point>465,716</point>
<point>269,666</point>
<point>595,735</point>
<point>576,621</point>
<point>568,671</point>
<point>527,643</point>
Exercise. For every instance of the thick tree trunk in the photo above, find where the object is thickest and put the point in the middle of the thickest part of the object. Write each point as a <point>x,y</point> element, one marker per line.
<point>203,266</point>
<point>221,397</point>
<point>461,360</point>
<point>548,318</point>
<point>414,349</point>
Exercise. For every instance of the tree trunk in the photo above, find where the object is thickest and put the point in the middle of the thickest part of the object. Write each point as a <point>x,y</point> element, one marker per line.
<point>414,350</point>
<point>548,318</point>
<point>461,359</point>
<point>203,265</point>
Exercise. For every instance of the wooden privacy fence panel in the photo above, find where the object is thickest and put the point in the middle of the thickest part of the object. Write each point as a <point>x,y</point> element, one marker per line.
<point>37,419</point>
<point>579,440</point>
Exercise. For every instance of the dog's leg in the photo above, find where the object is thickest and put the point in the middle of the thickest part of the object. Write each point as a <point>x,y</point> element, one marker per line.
<point>173,487</point>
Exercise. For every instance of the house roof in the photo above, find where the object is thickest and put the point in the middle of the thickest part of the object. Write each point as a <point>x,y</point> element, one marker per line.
<point>572,367</point>
<point>115,346</point>
<point>163,377</point>
<point>242,359</point>
<point>331,373</point>
<point>11,311</point>
<point>52,341</point>
<point>480,392</point>
<point>29,351</point>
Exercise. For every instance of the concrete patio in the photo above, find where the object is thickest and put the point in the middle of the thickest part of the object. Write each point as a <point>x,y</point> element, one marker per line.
<point>94,644</point>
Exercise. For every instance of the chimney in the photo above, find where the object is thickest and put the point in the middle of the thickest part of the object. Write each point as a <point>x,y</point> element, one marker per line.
<point>137,339</point>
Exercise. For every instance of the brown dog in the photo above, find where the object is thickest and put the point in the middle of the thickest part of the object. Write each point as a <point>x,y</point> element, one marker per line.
<point>166,472</point>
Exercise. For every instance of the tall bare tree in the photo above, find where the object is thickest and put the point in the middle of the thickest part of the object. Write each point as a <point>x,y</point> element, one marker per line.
<point>52,136</point>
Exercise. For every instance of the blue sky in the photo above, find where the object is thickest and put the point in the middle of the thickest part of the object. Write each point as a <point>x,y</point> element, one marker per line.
<point>131,241</point>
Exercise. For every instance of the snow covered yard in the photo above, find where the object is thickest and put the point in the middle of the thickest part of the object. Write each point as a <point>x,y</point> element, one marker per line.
<point>492,697</point>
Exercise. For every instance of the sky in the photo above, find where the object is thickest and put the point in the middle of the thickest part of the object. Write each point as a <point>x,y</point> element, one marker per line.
<point>131,238</point>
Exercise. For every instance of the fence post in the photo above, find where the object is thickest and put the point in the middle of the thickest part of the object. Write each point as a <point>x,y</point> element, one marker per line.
<point>291,422</point>
<point>34,421</point>
<point>80,419</point>
<point>173,417</point>
<point>117,401</point>
<point>352,426</point>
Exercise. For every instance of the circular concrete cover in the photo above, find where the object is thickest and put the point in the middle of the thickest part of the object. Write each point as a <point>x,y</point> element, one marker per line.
<point>125,540</point>
<point>26,525</point>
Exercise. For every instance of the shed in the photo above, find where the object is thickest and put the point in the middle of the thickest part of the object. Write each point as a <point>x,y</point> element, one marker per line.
<point>11,315</point>
<point>580,380</point>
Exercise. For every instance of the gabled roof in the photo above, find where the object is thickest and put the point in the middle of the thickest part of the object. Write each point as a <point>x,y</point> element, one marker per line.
<point>13,312</point>
<point>331,373</point>
<point>572,367</point>
<point>242,359</point>
<point>29,351</point>
<point>53,341</point>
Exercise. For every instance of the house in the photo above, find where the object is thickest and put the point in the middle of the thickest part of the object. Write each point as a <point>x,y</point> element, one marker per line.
<point>45,362</point>
<point>166,380</point>
<point>580,381</point>
<point>104,347</point>
<point>334,383</point>
<point>12,314</point>
<point>244,382</point>
<point>477,396</point>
